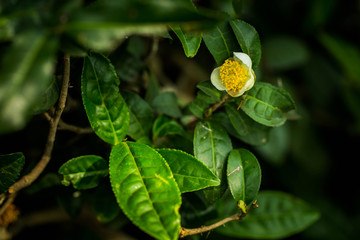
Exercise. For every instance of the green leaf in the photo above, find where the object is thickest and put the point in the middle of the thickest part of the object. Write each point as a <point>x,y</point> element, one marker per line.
<point>237,121</point>
<point>190,42</point>
<point>107,111</point>
<point>104,24</point>
<point>285,52</point>
<point>84,172</point>
<point>104,204</point>
<point>145,189</point>
<point>243,175</point>
<point>201,103</point>
<point>209,89</point>
<point>212,146</point>
<point>279,215</point>
<point>141,116</point>
<point>221,43</point>
<point>10,168</point>
<point>165,126</point>
<point>249,40</point>
<point>267,104</point>
<point>26,70</point>
<point>48,98</point>
<point>243,127</point>
<point>190,174</point>
<point>166,102</point>
<point>346,53</point>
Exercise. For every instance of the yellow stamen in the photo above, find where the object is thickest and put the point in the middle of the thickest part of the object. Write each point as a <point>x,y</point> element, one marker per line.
<point>234,75</point>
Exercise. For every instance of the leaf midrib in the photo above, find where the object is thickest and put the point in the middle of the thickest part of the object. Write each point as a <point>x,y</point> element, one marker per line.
<point>225,44</point>
<point>103,103</point>
<point>147,192</point>
<point>262,102</point>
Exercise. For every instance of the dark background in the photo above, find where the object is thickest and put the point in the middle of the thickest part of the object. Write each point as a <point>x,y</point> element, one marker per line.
<point>312,157</point>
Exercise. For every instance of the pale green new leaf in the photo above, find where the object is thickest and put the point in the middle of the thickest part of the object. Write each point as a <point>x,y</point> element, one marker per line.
<point>145,189</point>
<point>267,104</point>
<point>84,172</point>
<point>107,111</point>
<point>190,174</point>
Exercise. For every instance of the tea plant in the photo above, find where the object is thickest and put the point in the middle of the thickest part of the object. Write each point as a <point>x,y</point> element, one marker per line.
<point>168,164</point>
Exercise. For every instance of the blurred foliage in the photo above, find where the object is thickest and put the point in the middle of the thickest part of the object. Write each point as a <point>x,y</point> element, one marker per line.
<point>309,48</point>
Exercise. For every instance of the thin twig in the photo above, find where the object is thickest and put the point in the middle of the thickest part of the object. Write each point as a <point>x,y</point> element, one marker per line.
<point>187,232</point>
<point>236,217</point>
<point>40,166</point>
<point>214,107</point>
<point>79,130</point>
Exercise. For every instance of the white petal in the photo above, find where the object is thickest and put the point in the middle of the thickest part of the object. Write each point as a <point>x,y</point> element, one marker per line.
<point>250,83</point>
<point>243,57</point>
<point>216,80</point>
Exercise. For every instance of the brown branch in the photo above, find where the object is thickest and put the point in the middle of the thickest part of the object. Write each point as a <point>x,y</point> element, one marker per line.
<point>192,231</point>
<point>40,166</point>
<point>214,107</point>
<point>79,130</point>
<point>236,217</point>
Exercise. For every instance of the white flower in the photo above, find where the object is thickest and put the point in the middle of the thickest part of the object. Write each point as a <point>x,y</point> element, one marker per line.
<point>235,76</point>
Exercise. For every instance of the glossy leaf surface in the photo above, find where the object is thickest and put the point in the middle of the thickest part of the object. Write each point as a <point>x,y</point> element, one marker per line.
<point>190,42</point>
<point>221,43</point>
<point>278,216</point>
<point>107,111</point>
<point>244,175</point>
<point>10,168</point>
<point>212,146</point>
<point>267,104</point>
<point>249,40</point>
<point>190,174</point>
<point>84,172</point>
<point>26,71</point>
<point>145,189</point>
